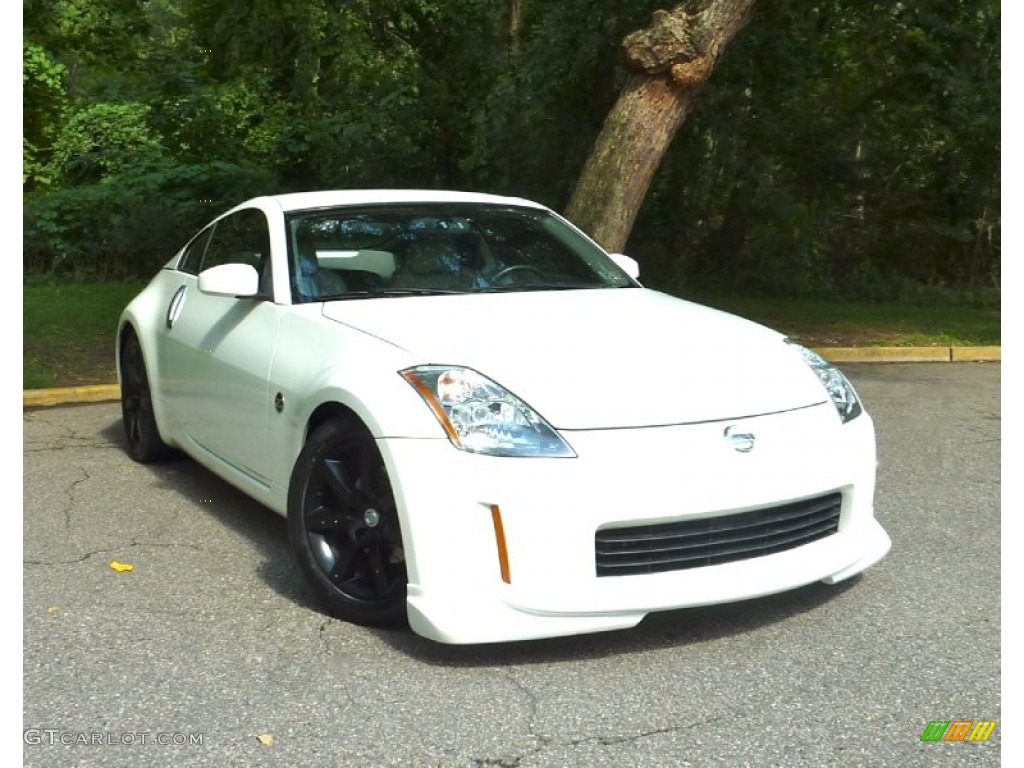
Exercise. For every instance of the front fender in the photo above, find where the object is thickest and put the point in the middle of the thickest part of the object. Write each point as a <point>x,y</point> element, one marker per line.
<point>353,370</point>
<point>142,317</point>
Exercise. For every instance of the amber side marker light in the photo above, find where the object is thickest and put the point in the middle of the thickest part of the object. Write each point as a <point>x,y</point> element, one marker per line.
<point>435,406</point>
<point>499,537</point>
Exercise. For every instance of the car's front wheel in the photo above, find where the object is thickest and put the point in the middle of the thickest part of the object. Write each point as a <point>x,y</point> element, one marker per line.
<point>343,525</point>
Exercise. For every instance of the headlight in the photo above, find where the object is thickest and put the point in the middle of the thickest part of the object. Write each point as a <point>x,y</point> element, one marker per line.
<point>481,416</point>
<point>839,388</point>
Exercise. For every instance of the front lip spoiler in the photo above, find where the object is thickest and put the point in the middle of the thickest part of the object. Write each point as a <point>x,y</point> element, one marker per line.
<point>878,545</point>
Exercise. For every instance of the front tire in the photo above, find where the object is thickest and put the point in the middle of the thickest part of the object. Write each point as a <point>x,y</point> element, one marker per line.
<point>141,433</point>
<point>343,525</point>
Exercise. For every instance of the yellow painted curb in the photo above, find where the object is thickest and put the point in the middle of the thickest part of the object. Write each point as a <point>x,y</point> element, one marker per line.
<point>100,393</point>
<point>976,354</point>
<point>885,354</point>
<point>910,354</point>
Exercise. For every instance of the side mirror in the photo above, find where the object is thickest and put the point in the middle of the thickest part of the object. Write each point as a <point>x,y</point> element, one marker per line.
<point>234,280</point>
<point>628,265</point>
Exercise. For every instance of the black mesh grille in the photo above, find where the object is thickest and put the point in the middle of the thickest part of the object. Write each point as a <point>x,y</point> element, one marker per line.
<point>715,540</point>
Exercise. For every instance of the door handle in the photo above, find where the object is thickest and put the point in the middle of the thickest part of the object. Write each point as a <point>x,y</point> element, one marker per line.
<point>174,308</point>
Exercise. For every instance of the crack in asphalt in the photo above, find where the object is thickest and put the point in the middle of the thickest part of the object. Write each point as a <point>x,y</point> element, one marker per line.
<point>545,743</point>
<point>325,647</point>
<point>67,434</point>
<point>607,741</point>
<point>531,705</point>
<point>542,742</point>
<point>70,494</point>
<point>113,548</point>
<point>136,542</point>
<point>54,448</point>
<point>81,559</point>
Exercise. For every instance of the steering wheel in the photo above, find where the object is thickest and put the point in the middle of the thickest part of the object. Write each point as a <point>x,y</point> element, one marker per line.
<point>515,268</point>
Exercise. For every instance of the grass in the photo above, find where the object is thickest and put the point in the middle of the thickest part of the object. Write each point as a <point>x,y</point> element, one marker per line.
<point>69,328</point>
<point>859,324</point>
<point>68,335</point>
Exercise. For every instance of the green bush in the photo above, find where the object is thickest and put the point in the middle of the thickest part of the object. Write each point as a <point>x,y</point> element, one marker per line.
<point>103,140</point>
<point>130,223</point>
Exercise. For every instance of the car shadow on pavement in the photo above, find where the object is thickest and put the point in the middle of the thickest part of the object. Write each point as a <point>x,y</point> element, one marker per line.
<point>261,527</point>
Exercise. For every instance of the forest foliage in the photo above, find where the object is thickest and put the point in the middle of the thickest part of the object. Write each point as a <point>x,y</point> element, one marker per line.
<point>842,148</point>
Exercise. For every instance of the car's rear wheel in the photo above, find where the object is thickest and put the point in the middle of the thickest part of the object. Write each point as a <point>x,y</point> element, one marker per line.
<point>143,437</point>
<point>343,525</point>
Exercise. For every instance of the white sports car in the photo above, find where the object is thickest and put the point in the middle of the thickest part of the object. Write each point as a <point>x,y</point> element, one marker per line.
<point>475,419</point>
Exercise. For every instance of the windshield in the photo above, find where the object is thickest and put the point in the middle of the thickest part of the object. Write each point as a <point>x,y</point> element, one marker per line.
<point>423,249</point>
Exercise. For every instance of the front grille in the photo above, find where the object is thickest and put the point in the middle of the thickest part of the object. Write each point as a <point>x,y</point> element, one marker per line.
<point>715,540</point>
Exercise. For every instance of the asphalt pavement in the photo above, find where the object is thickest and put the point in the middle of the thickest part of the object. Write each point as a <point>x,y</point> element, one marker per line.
<point>209,651</point>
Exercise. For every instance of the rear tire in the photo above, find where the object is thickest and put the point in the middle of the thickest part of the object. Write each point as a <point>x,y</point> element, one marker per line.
<point>143,438</point>
<point>343,525</point>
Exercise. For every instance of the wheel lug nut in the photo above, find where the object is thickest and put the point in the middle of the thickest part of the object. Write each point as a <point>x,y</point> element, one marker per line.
<point>371,518</point>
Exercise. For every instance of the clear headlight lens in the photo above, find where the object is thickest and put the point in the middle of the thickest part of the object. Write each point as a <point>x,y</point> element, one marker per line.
<point>839,388</point>
<point>481,416</point>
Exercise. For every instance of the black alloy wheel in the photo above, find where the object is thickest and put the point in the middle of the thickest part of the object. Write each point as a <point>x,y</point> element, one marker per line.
<point>141,433</point>
<point>343,525</point>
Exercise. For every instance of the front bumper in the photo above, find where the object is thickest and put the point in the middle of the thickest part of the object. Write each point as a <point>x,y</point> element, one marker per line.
<point>551,508</point>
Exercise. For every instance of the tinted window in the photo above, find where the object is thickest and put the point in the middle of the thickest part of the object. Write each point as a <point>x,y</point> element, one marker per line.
<point>242,238</point>
<point>381,250</point>
<point>194,251</point>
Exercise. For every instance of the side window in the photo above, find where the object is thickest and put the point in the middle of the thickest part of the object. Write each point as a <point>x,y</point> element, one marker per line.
<point>193,255</point>
<point>242,238</point>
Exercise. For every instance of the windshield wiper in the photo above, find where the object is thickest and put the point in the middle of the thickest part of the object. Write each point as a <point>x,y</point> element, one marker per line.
<point>415,292</point>
<point>388,293</point>
<point>538,287</point>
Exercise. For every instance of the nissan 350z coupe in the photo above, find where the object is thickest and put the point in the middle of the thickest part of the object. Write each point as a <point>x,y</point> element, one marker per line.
<point>475,419</point>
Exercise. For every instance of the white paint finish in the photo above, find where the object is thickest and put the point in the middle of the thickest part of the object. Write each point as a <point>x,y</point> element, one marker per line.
<point>642,385</point>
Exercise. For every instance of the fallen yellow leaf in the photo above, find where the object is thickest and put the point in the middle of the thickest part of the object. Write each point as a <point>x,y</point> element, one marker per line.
<point>121,567</point>
<point>265,739</point>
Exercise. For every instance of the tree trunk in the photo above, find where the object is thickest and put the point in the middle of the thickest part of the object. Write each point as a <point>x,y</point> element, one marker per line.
<point>668,62</point>
<point>515,24</point>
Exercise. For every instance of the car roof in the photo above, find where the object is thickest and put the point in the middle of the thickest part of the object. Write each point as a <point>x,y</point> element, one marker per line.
<point>298,201</point>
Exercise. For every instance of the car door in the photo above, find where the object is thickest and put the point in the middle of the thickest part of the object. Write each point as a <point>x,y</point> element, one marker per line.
<point>219,349</point>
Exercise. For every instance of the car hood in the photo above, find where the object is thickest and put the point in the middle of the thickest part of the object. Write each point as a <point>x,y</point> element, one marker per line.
<point>603,358</point>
